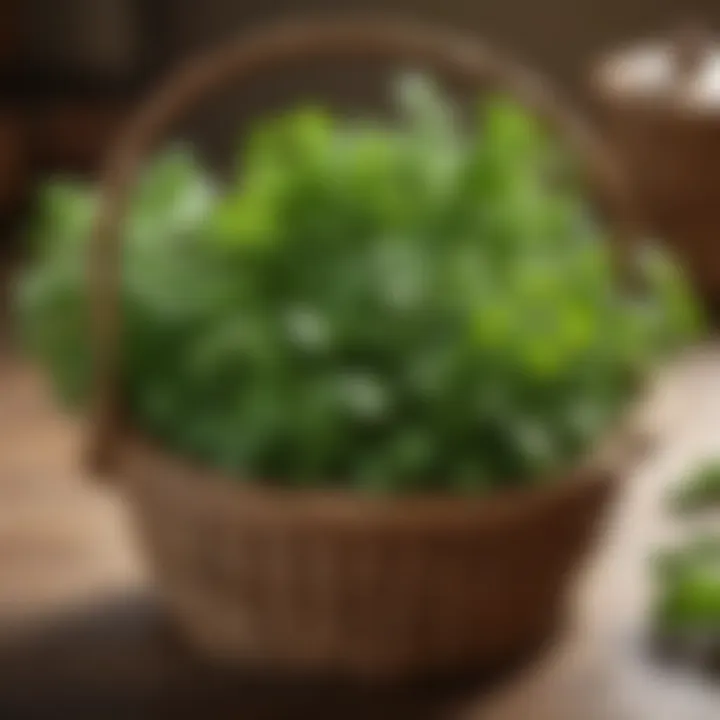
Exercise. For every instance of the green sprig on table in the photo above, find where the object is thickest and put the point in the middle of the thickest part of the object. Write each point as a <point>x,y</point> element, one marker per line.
<point>689,577</point>
<point>700,490</point>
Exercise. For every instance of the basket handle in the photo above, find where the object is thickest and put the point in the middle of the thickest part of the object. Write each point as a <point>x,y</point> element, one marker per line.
<point>462,57</point>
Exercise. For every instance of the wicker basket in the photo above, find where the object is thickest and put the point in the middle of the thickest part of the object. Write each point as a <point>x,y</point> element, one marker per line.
<point>309,580</point>
<point>669,138</point>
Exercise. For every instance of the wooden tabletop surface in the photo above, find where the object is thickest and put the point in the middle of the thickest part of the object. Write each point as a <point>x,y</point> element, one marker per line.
<point>81,637</point>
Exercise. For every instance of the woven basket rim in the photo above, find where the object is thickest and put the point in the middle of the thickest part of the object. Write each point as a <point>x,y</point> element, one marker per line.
<point>139,457</point>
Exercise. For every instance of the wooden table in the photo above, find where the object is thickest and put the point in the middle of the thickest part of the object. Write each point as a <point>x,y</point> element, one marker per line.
<point>80,635</point>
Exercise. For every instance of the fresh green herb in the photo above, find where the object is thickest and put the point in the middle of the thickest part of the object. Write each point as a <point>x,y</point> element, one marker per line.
<point>396,307</point>
<point>699,491</point>
<point>689,596</point>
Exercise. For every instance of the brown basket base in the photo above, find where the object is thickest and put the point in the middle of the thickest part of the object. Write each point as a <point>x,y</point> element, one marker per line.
<point>441,676</point>
<point>359,586</point>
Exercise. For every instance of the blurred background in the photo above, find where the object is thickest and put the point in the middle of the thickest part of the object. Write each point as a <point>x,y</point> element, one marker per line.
<point>71,69</point>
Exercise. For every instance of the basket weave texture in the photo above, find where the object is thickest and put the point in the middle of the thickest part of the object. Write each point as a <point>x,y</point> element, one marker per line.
<point>360,586</point>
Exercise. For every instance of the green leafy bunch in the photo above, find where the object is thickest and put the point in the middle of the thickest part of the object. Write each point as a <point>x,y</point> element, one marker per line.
<point>689,588</point>
<point>419,305</point>
<point>699,490</point>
